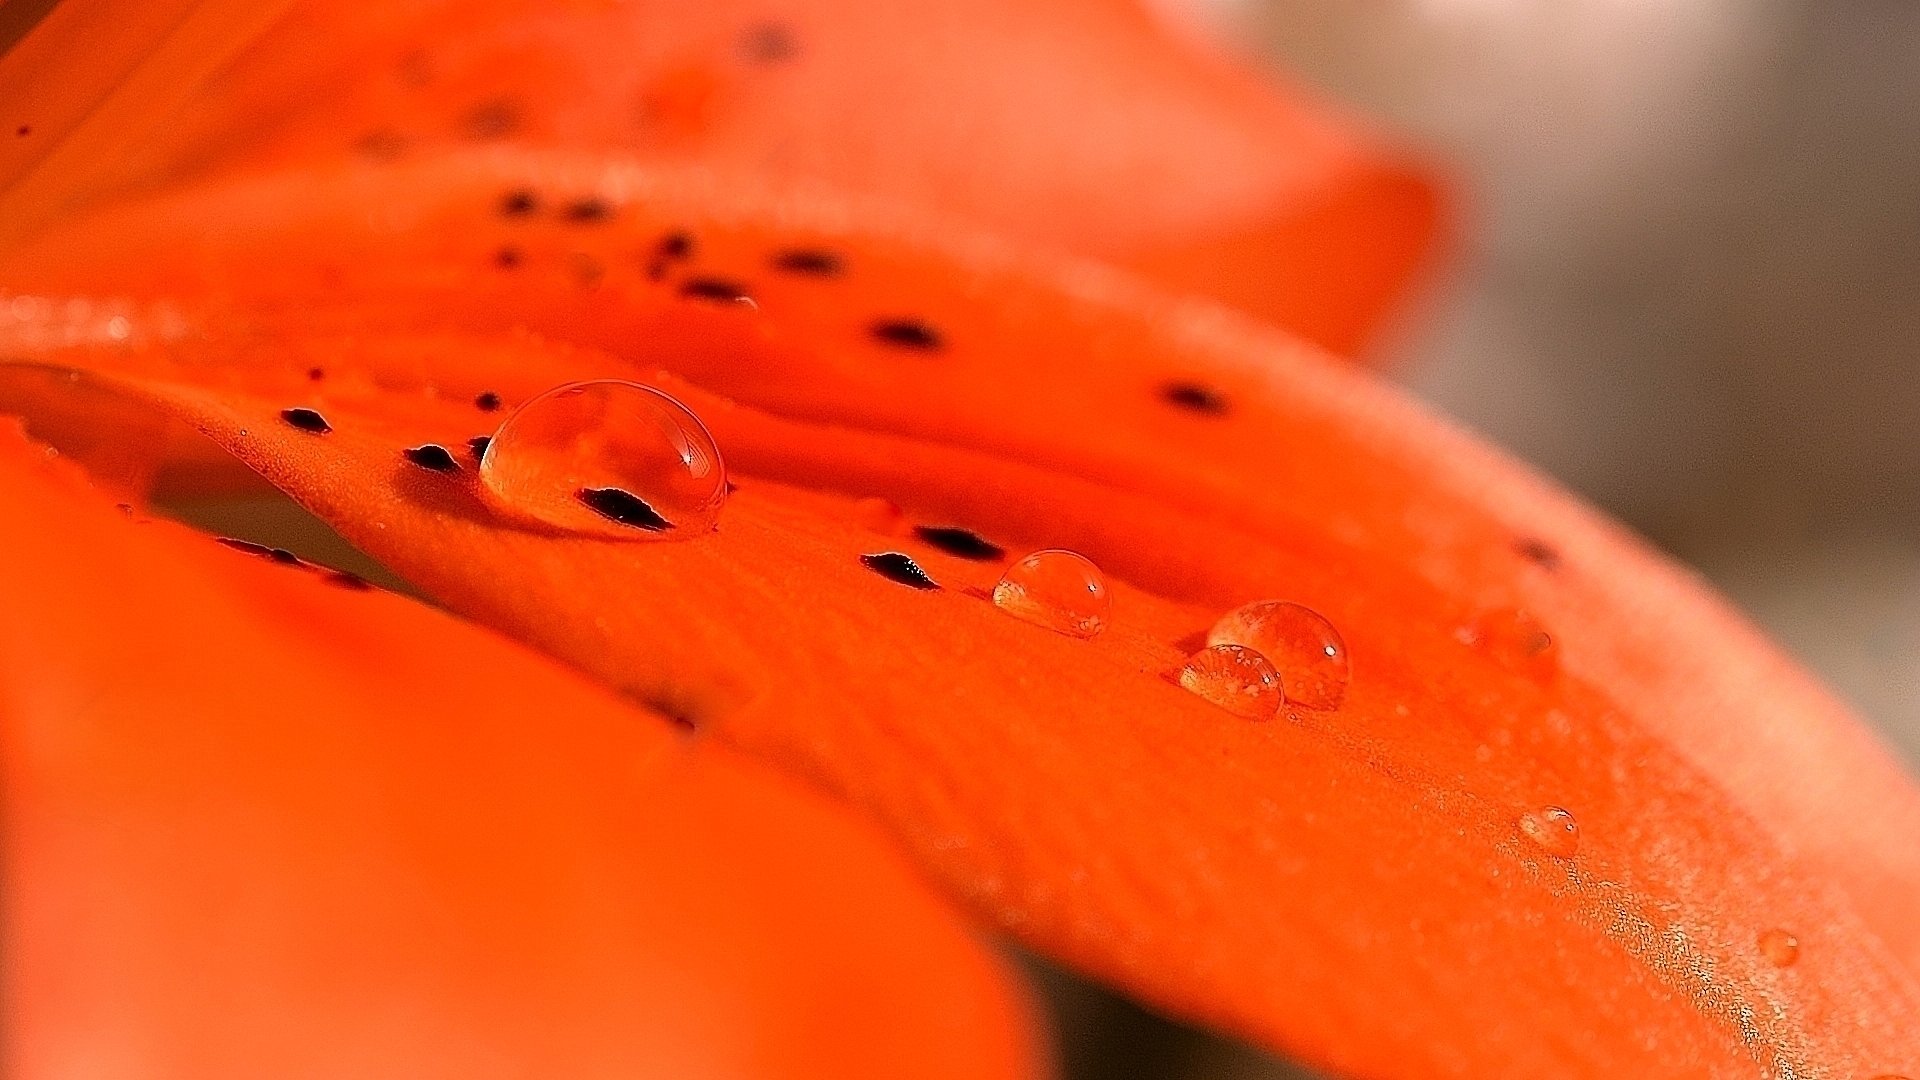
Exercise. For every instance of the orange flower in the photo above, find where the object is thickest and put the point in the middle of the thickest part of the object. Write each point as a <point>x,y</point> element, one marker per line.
<point>1553,823</point>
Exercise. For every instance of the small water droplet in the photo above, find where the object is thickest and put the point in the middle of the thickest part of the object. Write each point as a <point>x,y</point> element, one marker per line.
<point>1059,590</point>
<point>1299,641</point>
<point>883,516</point>
<point>586,456</point>
<point>306,420</point>
<point>1237,679</point>
<point>1515,639</point>
<point>1779,947</point>
<point>1552,830</point>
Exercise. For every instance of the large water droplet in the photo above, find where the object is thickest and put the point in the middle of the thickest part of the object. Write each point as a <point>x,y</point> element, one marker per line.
<point>1056,589</point>
<point>1552,830</point>
<point>1779,947</point>
<point>1299,641</point>
<point>1237,679</point>
<point>567,455</point>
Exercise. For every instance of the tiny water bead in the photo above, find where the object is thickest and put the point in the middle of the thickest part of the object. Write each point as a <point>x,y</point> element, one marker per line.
<point>1296,639</point>
<point>1552,830</point>
<point>1237,679</point>
<point>1059,590</point>
<point>1779,948</point>
<point>609,457</point>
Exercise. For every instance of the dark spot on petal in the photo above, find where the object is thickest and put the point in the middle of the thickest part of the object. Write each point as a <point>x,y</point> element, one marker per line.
<point>907,334</point>
<point>507,258</point>
<point>587,270</point>
<point>491,120</point>
<point>488,401</point>
<point>718,290</point>
<point>344,580</point>
<point>124,508</point>
<point>623,507</point>
<point>1538,552</point>
<point>896,567</point>
<point>306,420</point>
<point>656,269</point>
<point>431,456</point>
<point>675,245</point>
<point>477,446</point>
<point>809,261</point>
<point>23,130</point>
<point>519,202</point>
<point>316,374</point>
<point>1195,397</point>
<point>382,145</point>
<point>279,555</point>
<point>414,70</point>
<point>588,211</point>
<point>769,43</point>
<point>960,542</point>
<point>732,487</point>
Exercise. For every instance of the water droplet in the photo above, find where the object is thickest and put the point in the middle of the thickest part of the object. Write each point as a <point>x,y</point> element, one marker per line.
<point>1299,641</point>
<point>1237,679</point>
<point>962,543</point>
<point>1552,830</point>
<point>883,516</point>
<point>1059,590</point>
<point>1515,639</point>
<point>306,420</point>
<point>1779,947</point>
<point>609,457</point>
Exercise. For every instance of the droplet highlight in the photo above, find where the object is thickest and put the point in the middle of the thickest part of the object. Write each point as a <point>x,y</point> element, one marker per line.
<point>1060,590</point>
<point>1552,830</point>
<point>608,457</point>
<point>1779,948</point>
<point>1311,655</point>
<point>1237,679</point>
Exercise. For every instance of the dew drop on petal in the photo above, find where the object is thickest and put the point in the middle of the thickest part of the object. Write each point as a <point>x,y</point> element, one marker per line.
<point>1514,639</point>
<point>1552,830</point>
<point>1299,641</point>
<point>1779,947</point>
<point>557,458</point>
<point>1059,590</point>
<point>1237,679</point>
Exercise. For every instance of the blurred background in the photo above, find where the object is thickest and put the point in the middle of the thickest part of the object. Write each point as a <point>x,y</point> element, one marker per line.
<point>1686,282</point>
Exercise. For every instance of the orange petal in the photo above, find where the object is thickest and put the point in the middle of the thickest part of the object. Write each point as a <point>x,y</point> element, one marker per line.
<point>257,823</point>
<point>1078,124</point>
<point>1342,886</point>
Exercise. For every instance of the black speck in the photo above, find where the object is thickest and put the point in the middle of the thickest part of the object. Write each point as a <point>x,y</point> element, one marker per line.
<point>588,211</point>
<point>1195,397</point>
<point>342,579</point>
<point>520,202</point>
<point>674,245</point>
<point>477,446</point>
<point>491,120</point>
<point>1538,552</point>
<point>508,258</point>
<point>431,456</point>
<point>960,542</point>
<point>718,290</point>
<point>316,374</point>
<point>899,568</point>
<point>487,401</point>
<point>769,43</point>
<point>279,555</point>
<point>306,420</point>
<point>907,334</point>
<point>810,261</point>
<point>623,507</point>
